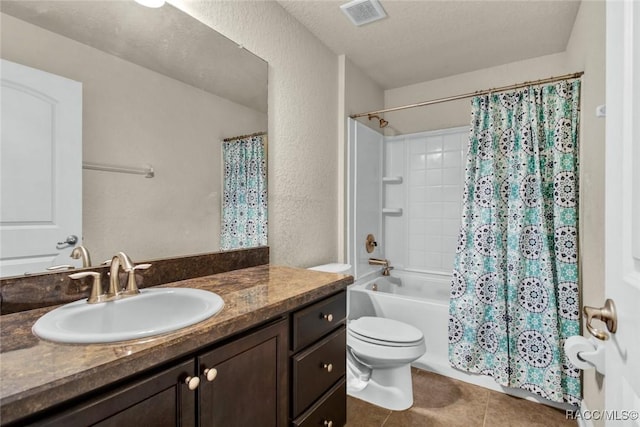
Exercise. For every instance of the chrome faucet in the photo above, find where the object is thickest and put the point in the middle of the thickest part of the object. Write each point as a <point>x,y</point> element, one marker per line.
<point>115,288</point>
<point>382,262</point>
<point>80,252</point>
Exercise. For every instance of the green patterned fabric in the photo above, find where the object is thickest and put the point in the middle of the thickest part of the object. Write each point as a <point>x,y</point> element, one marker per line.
<point>514,296</point>
<point>244,196</point>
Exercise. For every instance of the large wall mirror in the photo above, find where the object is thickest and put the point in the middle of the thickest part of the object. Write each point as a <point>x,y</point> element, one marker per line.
<point>160,89</point>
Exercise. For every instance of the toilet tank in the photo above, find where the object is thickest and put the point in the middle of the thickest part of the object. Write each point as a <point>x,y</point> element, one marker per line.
<point>333,268</point>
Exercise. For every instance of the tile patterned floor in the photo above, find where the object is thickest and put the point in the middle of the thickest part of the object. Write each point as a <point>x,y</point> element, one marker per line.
<point>442,401</point>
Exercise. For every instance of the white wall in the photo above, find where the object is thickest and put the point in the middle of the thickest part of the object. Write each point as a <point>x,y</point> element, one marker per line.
<point>585,52</point>
<point>303,125</point>
<point>133,116</point>
<point>431,164</point>
<point>357,93</point>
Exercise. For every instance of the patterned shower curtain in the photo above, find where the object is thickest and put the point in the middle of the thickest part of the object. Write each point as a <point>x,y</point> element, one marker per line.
<point>244,198</point>
<point>514,296</point>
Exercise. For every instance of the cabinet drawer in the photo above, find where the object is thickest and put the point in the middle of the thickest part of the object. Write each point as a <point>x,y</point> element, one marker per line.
<point>330,410</point>
<point>313,322</point>
<point>316,369</point>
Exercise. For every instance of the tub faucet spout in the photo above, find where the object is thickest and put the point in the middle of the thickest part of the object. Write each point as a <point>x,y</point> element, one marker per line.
<point>384,263</point>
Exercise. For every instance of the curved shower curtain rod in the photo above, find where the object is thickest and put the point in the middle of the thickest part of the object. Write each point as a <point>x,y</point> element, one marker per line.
<point>472,94</point>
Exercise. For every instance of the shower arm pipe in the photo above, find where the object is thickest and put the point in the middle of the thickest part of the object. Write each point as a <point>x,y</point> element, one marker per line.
<point>472,94</point>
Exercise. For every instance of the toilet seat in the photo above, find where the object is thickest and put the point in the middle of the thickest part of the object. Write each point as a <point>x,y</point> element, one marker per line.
<point>385,332</point>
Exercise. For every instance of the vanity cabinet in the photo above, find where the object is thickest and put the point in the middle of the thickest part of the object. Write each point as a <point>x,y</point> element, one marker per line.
<point>289,371</point>
<point>249,388</point>
<point>161,399</point>
<point>318,363</point>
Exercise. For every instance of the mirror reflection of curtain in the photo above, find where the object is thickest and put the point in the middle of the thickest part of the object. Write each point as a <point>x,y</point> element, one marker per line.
<point>244,196</point>
<point>514,297</point>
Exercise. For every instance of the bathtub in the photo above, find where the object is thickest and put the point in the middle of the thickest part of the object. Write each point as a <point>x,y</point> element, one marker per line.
<point>422,300</point>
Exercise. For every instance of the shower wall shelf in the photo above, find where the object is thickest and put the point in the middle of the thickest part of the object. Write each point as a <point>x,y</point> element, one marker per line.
<point>392,211</point>
<point>392,179</point>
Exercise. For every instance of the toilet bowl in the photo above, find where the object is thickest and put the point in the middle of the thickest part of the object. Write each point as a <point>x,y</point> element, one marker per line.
<point>379,356</point>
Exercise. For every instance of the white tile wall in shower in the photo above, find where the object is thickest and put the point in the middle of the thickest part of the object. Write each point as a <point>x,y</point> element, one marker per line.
<point>433,171</point>
<point>394,197</point>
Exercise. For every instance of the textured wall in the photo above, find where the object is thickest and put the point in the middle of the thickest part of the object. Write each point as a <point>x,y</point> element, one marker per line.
<point>586,51</point>
<point>458,113</point>
<point>303,125</point>
<point>133,116</point>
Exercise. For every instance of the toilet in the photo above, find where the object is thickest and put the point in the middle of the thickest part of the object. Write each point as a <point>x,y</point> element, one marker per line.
<point>379,356</point>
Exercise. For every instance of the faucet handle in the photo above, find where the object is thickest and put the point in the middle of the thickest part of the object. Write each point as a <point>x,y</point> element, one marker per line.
<point>132,286</point>
<point>96,289</point>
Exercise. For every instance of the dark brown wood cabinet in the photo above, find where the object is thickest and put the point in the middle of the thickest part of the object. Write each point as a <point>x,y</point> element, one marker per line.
<point>318,363</point>
<point>249,388</point>
<point>159,399</point>
<point>248,385</point>
<point>252,379</point>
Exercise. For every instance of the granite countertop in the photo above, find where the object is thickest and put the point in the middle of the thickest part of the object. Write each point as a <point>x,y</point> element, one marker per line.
<point>37,374</point>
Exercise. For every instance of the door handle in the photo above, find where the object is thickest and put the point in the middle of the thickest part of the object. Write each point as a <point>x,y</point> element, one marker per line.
<point>70,241</point>
<point>607,314</point>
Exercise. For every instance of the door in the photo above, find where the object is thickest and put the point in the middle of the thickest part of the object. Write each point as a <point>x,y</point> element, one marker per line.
<point>244,383</point>
<point>41,169</point>
<point>622,250</point>
<point>162,399</point>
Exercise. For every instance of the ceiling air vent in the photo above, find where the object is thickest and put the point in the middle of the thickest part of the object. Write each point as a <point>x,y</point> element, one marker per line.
<point>362,12</point>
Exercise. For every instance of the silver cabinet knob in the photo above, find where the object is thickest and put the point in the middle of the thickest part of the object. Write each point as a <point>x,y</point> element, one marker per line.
<point>328,367</point>
<point>328,317</point>
<point>328,423</point>
<point>211,374</point>
<point>192,382</point>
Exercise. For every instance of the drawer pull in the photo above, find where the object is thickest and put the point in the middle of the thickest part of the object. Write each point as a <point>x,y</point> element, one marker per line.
<point>192,382</point>
<point>211,374</point>
<point>328,317</point>
<point>328,423</point>
<point>328,367</point>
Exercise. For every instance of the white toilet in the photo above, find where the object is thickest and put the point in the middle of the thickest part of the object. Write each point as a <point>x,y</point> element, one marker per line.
<point>379,356</point>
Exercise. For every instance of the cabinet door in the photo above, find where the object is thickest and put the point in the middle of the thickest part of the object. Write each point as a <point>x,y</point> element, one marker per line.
<point>250,385</point>
<point>161,399</point>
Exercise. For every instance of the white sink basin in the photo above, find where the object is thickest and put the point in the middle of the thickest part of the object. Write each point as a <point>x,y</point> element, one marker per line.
<point>152,312</point>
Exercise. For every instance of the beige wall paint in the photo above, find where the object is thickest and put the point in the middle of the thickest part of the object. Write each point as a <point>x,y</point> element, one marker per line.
<point>303,125</point>
<point>458,113</point>
<point>133,116</point>
<point>585,52</point>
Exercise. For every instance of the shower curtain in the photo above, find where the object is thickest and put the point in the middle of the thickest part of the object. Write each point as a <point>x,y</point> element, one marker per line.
<point>244,198</point>
<point>514,295</point>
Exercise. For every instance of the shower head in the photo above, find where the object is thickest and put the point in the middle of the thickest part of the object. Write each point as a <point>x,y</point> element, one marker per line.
<point>383,122</point>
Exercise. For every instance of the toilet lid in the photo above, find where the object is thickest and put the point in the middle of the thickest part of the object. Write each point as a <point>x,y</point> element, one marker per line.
<point>387,330</point>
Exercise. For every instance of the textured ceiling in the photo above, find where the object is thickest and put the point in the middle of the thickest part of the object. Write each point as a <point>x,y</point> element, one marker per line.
<point>164,40</point>
<point>426,40</point>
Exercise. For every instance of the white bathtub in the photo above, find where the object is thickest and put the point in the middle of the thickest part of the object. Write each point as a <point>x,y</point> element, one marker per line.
<point>422,300</point>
